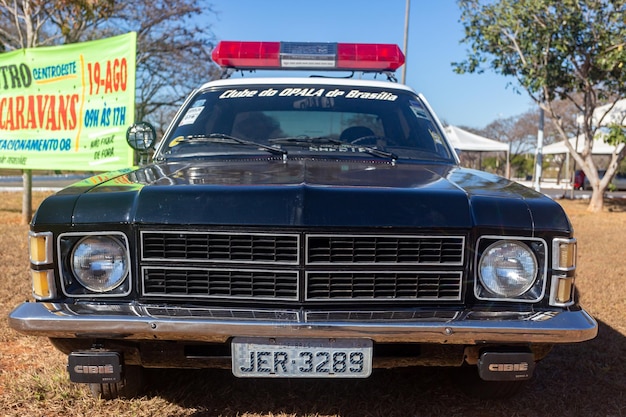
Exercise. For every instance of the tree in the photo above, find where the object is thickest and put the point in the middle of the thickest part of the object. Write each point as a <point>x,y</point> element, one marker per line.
<point>174,40</point>
<point>573,50</point>
<point>174,46</point>
<point>520,132</point>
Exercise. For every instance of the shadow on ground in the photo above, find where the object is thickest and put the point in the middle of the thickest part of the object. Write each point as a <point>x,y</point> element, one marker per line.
<point>615,204</point>
<point>585,379</point>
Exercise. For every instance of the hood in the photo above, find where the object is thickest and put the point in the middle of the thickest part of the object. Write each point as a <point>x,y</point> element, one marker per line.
<point>306,192</point>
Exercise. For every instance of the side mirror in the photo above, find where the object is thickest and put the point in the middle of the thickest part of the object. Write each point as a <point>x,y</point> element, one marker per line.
<point>141,136</point>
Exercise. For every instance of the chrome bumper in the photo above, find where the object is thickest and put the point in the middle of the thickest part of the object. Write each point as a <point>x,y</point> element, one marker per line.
<point>137,322</point>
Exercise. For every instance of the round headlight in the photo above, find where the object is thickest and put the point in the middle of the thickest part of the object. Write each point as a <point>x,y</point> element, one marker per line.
<point>507,269</point>
<point>100,263</point>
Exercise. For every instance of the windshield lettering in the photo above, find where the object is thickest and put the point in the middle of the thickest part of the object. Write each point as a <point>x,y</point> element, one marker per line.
<point>302,92</point>
<point>238,93</point>
<point>372,96</point>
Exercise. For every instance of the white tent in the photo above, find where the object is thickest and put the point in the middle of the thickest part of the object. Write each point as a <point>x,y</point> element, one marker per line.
<point>467,141</point>
<point>608,115</point>
<point>599,146</point>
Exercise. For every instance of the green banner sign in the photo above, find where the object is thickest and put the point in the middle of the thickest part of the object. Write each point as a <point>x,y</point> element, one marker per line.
<point>68,107</point>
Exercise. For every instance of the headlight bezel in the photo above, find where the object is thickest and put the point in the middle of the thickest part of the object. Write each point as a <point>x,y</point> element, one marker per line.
<point>535,290</point>
<point>72,285</point>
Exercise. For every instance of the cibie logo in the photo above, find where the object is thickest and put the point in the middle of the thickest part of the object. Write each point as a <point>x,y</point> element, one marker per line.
<point>508,367</point>
<point>94,369</point>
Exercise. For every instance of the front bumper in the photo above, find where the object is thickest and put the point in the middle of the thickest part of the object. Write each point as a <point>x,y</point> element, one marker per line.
<point>218,325</point>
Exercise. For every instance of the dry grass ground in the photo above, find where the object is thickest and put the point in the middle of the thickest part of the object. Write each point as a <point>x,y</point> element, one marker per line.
<point>587,379</point>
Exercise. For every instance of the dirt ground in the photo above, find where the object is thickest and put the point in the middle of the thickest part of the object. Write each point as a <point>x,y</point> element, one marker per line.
<point>585,379</point>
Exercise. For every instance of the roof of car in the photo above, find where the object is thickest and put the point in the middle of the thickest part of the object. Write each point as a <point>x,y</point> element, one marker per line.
<point>347,82</point>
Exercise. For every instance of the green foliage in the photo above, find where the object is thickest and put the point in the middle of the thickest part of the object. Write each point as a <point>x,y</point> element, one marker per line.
<point>616,135</point>
<point>490,164</point>
<point>554,48</point>
<point>521,165</point>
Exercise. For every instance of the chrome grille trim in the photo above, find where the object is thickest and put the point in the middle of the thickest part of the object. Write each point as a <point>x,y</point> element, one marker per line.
<point>351,249</point>
<point>245,284</point>
<point>387,315</point>
<point>293,316</point>
<point>383,285</point>
<point>223,314</point>
<point>222,247</point>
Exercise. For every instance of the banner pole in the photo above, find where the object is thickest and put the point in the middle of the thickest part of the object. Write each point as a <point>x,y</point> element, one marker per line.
<point>27,196</point>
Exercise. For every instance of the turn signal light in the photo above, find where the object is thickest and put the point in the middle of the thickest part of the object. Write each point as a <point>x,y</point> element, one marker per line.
<point>562,291</point>
<point>564,254</point>
<point>40,248</point>
<point>42,284</point>
<point>41,272</point>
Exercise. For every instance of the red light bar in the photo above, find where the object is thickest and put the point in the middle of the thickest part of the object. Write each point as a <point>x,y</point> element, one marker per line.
<point>308,55</point>
<point>247,55</point>
<point>373,56</point>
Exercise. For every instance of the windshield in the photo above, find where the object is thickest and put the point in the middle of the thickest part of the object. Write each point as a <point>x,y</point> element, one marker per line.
<point>304,120</point>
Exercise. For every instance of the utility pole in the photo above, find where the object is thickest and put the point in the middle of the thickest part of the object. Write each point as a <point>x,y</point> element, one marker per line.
<point>539,155</point>
<point>406,39</point>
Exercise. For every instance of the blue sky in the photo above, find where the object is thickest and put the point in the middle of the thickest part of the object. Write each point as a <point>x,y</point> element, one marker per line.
<point>435,32</point>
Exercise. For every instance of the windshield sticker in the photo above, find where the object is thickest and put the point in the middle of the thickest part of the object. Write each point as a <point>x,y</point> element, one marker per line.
<point>309,92</point>
<point>418,109</point>
<point>191,116</point>
<point>436,136</point>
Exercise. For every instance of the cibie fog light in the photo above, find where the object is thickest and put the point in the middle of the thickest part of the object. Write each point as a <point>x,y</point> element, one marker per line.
<point>100,263</point>
<point>507,269</point>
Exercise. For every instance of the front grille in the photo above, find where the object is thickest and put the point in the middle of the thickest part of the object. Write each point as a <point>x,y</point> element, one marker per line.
<point>359,249</point>
<point>221,283</point>
<point>301,267</point>
<point>220,247</point>
<point>380,285</point>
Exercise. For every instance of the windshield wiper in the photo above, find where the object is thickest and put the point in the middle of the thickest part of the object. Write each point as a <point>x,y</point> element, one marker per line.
<point>380,153</point>
<point>322,140</point>
<point>224,138</point>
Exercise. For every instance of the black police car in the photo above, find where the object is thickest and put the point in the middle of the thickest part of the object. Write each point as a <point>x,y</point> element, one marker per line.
<point>302,227</point>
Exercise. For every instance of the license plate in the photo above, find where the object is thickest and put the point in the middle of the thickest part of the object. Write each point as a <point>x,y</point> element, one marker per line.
<point>301,358</point>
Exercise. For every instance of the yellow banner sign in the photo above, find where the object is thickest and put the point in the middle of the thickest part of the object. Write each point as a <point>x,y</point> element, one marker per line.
<point>68,107</point>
